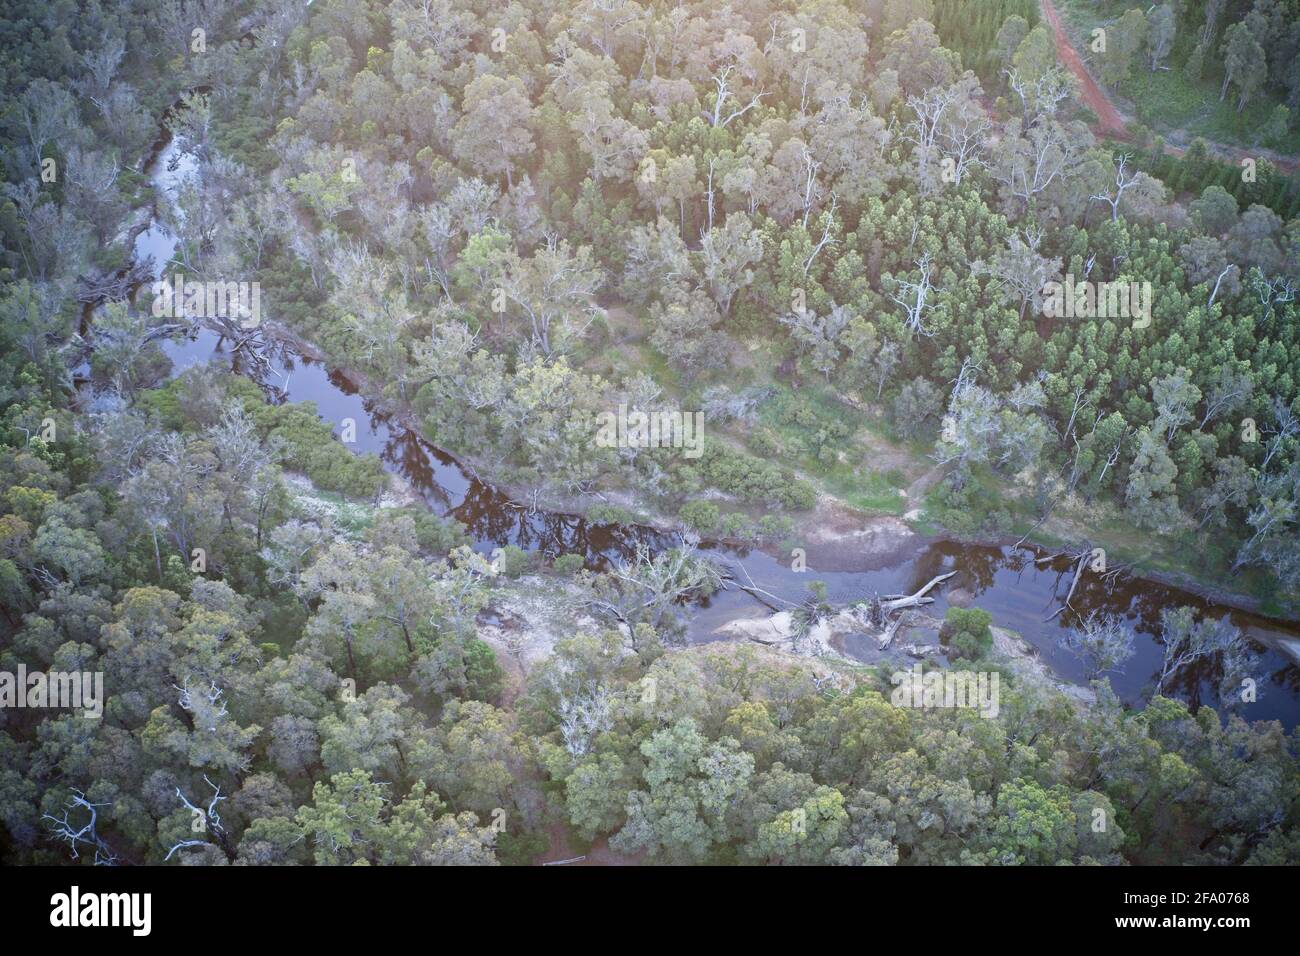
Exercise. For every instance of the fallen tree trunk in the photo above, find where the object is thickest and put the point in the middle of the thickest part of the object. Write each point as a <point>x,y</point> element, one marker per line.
<point>894,603</point>
<point>887,614</point>
<point>1078,574</point>
<point>163,331</point>
<point>114,287</point>
<point>891,629</point>
<point>755,593</point>
<point>888,606</point>
<point>753,590</point>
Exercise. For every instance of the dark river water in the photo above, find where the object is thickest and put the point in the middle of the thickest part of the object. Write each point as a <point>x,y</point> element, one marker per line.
<point>1003,580</point>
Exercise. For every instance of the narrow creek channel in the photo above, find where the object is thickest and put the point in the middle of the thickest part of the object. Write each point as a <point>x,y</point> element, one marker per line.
<point>1005,581</point>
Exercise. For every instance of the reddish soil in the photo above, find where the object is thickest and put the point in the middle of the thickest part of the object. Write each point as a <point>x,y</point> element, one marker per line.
<point>561,852</point>
<point>1109,120</point>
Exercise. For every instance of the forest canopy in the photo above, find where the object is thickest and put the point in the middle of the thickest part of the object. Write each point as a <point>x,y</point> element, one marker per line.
<point>829,228</point>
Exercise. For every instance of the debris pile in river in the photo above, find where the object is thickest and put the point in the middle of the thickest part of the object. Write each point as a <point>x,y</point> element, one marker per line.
<point>809,627</point>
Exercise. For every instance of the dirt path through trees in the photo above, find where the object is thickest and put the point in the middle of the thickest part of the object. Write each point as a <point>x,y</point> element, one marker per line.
<point>1109,120</point>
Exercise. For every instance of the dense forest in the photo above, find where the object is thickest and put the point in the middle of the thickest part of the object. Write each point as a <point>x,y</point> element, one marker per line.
<point>884,249</point>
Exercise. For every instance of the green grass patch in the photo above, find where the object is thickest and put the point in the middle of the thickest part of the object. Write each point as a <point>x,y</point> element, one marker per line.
<point>1168,100</point>
<point>822,436</point>
<point>869,491</point>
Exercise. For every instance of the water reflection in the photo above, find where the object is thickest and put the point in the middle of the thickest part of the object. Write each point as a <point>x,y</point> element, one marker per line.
<point>1018,590</point>
<point>1010,583</point>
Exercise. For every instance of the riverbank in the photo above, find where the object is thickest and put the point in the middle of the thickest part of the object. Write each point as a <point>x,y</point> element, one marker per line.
<point>842,537</point>
<point>1019,587</point>
<point>854,552</point>
<point>839,534</point>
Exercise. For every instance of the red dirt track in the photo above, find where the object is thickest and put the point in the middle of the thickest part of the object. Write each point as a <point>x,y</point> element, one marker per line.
<point>1109,121</point>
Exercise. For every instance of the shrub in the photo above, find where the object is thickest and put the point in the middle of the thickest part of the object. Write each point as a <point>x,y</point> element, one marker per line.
<point>483,675</point>
<point>522,849</point>
<point>751,479</point>
<point>763,443</point>
<point>439,535</point>
<point>916,409</point>
<point>737,525</point>
<point>609,514</point>
<point>775,527</point>
<point>569,564</point>
<point>966,632</point>
<point>701,516</point>
<point>513,560</point>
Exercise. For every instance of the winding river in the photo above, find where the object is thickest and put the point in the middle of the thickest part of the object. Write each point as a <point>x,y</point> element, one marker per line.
<point>1004,580</point>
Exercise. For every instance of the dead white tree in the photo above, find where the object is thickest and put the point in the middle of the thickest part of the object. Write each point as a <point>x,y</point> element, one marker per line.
<point>1287,424</point>
<point>810,191</point>
<point>214,709</point>
<point>1124,179</point>
<point>65,831</point>
<point>1027,162</point>
<point>1101,642</point>
<point>1112,457</point>
<point>914,296</point>
<point>964,128</point>
<point>1188,640</point>
<point>209,818</point>
<point>1229,390</point>
<point>1082,558</point>
<point>828,223</point>
<point>646,589</point>
<point>584,716</point>
<point>887,612</point>
<point>1021,272</point>
<point>1041,95</point>
<point>923,131</point>
<point>722,83</point>
<point>1278,289</point>
<point>1214,293</point>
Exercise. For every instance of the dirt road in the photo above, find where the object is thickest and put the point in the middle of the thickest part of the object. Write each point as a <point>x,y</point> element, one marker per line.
<point>1109,120</point>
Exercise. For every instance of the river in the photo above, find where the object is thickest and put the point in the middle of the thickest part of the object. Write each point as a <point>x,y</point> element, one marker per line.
<point>1006,581</point>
